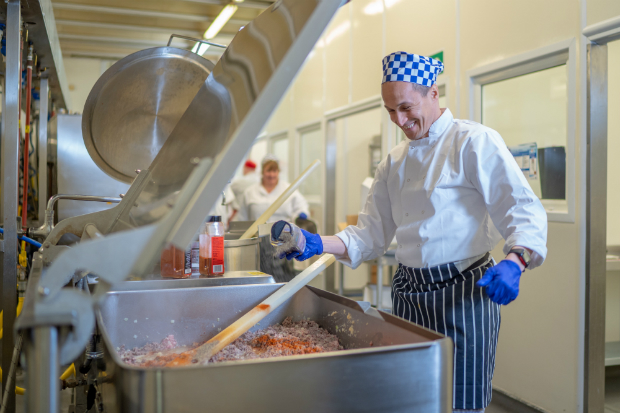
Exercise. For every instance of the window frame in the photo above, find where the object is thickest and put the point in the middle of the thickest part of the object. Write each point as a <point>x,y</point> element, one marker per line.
<point>561,53</point>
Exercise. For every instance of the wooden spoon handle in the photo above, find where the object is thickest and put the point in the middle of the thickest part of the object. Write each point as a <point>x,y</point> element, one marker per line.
<point>248,320</point>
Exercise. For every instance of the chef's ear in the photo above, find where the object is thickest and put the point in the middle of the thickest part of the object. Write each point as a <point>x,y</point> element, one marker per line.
<point>434,92</point>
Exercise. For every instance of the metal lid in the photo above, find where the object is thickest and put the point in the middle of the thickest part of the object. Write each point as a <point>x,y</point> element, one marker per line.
<point>136,103</point>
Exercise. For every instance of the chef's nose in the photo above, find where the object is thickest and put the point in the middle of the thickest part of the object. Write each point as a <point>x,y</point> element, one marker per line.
<point>401,119</point>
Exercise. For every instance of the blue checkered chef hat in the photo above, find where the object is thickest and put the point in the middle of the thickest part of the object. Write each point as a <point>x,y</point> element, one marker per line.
<point>413,68</point>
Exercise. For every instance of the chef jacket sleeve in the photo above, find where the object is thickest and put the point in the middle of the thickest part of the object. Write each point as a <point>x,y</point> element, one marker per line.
<point>299,205</point>
<point>515,210</point>
<point>242,213</point>
<point>375,228</point>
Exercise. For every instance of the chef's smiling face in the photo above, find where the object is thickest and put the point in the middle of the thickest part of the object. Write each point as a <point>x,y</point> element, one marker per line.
<point>411,111</point>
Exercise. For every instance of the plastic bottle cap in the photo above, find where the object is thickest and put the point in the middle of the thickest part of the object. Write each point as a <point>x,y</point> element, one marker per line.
<point>215,218</point>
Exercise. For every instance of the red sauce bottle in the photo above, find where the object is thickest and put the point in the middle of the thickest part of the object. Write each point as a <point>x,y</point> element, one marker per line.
<point>211,255</point>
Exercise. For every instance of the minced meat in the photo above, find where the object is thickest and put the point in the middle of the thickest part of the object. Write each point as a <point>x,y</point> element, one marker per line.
<point>286,339</point>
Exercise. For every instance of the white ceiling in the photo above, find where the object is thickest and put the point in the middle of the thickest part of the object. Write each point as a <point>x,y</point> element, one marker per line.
<point>112,29</point>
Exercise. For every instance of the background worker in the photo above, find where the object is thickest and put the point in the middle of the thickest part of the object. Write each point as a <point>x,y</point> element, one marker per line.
<point>255,201</point>
<point>259,196</point>
<point>249,178</point>
<point>449,193</point>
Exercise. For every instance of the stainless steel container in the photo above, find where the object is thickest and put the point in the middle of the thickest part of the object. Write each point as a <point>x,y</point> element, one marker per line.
<point>229,278</point>
<point>242,254</point>
<point>389,365</point>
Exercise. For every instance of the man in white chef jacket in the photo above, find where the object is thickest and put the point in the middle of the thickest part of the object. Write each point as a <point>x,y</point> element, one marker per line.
<point>449,193</point>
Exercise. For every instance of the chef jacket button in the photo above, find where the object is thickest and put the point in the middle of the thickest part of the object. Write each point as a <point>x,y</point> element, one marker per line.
<point>400,246</point>
<point>418,245</point>
<point>422,211</point>
<point>408,180</point>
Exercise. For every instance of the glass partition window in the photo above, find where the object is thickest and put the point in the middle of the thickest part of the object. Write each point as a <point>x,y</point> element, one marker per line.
<point>279,147</point>
<point>312,148</point>
<point>530,113</point>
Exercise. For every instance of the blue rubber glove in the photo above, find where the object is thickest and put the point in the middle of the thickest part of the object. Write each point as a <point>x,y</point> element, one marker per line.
<point>502,282</point>
<point>314,246</point>
<point>303,216</point>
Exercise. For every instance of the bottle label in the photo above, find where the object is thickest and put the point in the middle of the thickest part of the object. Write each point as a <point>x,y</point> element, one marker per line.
<point>188,261</point>
<point>217,255</point>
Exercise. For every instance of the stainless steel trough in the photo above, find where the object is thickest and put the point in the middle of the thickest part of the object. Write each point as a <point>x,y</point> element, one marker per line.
<point>388,365</point>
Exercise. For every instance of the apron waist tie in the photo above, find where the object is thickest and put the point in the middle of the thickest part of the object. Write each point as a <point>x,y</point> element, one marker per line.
<point>478,263</point>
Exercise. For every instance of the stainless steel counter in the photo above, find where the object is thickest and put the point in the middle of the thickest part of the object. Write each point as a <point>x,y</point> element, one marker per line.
<point>389,365</point>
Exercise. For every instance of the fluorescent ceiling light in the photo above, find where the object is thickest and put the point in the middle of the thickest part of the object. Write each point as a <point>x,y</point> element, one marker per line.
<point>374,7</point>
<point>202,49</point>
<point>338,31</point>
<point>219,22</point>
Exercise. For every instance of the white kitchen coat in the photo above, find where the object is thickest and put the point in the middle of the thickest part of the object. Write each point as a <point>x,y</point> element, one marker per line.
<point>224,209</point>
<point>256,200</point>
<point>239,185</point>
<point>447,197</point>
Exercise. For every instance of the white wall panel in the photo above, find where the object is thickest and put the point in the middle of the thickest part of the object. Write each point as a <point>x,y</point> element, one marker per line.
<point>82,75</point>
<point>427,30</point>
<point>601,10</point>
<point>281,117</point>
<point>493,30</point>
<point>337,43</point>
<point>366,48</point>
<point>308,89</point>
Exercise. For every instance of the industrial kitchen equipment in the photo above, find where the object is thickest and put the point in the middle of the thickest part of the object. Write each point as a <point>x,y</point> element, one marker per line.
<point>165,204</point>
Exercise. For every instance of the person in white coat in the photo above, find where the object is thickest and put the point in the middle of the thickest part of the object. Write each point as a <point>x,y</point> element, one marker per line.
<point>249,178</point>
<point>449,193</point>
<point>225,206</point>
<point>258,197</point>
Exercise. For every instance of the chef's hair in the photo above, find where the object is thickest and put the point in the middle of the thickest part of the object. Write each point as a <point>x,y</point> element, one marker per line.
<point>270,165</point>
<point>421,89</point>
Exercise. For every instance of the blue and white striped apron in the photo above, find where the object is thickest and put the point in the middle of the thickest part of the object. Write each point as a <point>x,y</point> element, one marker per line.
<point>449,302</point>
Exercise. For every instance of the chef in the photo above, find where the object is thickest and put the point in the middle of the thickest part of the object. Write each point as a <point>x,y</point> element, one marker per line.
<point>449,193</point>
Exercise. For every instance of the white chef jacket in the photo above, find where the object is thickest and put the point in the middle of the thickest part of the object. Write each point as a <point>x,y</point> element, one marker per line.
<point>447,197</point>
<point>256,200</point>
<point>239,185</point>
<point>225,211</point>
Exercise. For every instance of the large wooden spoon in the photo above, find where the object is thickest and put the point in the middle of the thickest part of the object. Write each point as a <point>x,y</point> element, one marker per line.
<point>203,353</point>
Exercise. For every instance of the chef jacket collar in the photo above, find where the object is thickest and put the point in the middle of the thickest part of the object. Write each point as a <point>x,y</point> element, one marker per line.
<point>264,192</point>
<point>436,130</point>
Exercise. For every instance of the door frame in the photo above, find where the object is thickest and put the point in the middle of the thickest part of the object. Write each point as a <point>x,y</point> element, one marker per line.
<point>597,36</point>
